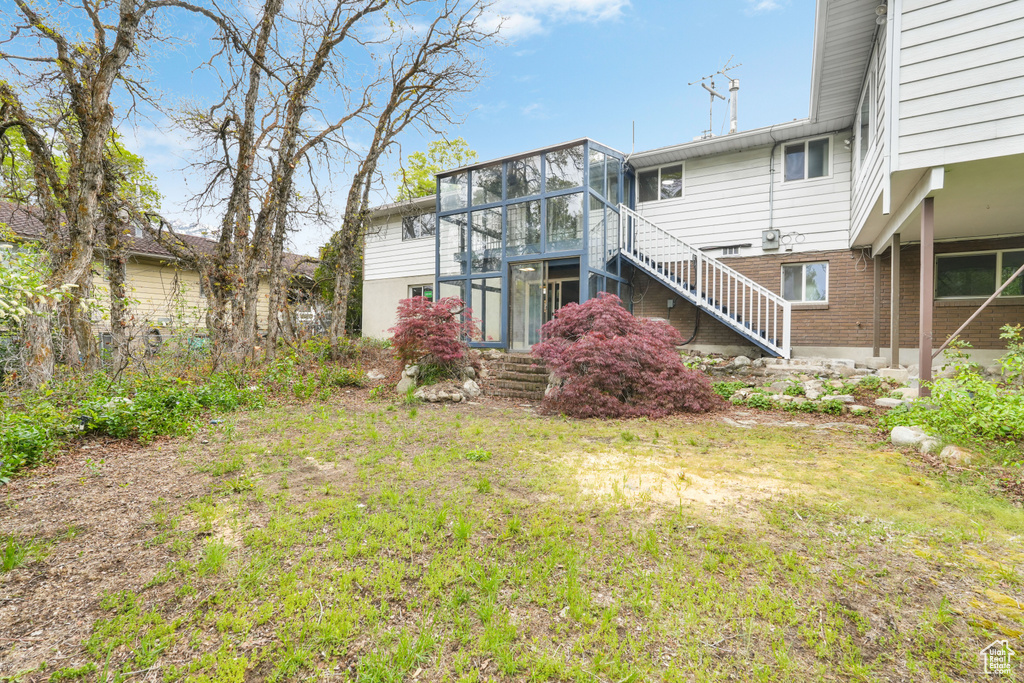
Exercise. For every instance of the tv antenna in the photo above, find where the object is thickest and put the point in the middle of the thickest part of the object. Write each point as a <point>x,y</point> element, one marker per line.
<point>708,83</point>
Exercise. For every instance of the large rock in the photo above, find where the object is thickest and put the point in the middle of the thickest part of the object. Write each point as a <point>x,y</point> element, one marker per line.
<point>955,455</point>
<point>471,388</point>
<point>907,436</point>
<point>877,362</point>
<point>469,372</point>
<point>859,410</point>
<point>405,384</point>
<point>908,392</point>
<point>412,371</point>
<point>842,398</point>
<point>374,375</point>
<point>901,375</point>
<point>844,371</point>
<point>886,402</point>
<point>741,362</point>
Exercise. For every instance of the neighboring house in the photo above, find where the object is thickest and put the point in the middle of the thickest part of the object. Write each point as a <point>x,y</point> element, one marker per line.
<point>166,295</point>
<point>801,238</point>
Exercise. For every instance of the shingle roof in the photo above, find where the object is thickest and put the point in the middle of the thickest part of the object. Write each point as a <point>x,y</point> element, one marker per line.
<point>26,222</point>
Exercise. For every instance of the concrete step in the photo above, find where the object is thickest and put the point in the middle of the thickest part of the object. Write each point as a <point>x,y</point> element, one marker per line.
<point>528,377</point>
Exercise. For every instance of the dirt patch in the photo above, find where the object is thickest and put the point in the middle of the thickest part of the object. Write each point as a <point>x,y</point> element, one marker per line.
<point>664,479</point>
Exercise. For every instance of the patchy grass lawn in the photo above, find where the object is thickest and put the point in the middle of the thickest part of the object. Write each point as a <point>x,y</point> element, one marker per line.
<point>474,543</point>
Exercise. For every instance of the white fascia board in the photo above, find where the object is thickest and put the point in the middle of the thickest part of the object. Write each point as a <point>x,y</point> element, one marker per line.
<point>818,56</point>
<point>931,182</point>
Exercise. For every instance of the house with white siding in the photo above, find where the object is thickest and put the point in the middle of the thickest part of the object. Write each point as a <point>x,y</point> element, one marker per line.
<point>875,227</point>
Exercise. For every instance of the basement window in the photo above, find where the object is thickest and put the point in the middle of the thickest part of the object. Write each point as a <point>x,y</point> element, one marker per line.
<point>426,291</point>
<point>805,282</point>
<point>977,274</point>
<point>805,160</point>
<point>661,183</point>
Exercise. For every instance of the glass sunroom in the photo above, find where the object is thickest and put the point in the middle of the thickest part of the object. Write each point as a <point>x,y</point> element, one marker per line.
<point>520,237</point>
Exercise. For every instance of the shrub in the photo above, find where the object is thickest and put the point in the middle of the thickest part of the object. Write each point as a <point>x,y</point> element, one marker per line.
<point>434,333</point>
<point>968,408</point>
<point>831,407</point>
<point>727,389</point>
<point>615,365</point>
<point>759,400</point>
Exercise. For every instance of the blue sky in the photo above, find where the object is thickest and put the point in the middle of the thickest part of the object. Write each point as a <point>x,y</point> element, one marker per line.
<point>570,69</point>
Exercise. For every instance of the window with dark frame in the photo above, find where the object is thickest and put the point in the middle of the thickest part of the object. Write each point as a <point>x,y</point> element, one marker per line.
<point>419,225</point>
<point>806,160</point>
<point>426,291</point>
<point>978,275</point>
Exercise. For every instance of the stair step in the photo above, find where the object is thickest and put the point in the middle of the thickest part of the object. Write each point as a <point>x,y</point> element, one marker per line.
<point>532,377</point>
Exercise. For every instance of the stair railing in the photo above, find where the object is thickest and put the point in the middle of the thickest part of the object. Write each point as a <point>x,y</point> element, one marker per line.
<point>751,309</point>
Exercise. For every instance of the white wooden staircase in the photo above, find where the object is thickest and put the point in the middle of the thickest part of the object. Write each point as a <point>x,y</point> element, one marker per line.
<point>754,312</point>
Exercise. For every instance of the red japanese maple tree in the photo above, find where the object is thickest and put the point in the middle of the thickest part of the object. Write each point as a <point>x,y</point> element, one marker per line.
<point>432,332</point>
<point>613,364</point>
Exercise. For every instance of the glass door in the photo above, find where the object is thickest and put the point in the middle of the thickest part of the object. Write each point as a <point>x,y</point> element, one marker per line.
<point>526,299</point>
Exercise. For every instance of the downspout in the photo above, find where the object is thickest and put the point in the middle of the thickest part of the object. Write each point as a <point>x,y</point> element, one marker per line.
<point>771,180</point>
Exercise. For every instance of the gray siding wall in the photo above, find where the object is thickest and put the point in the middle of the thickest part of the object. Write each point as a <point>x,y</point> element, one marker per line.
<point>961,81</point>
<point>388,256</point>
<point>725,202</point>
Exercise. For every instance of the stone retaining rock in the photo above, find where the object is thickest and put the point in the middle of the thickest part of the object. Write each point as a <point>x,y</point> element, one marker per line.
<point>907,436</point>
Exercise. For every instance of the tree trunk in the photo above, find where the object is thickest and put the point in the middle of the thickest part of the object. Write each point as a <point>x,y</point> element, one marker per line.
<point>277,306</point>
<point>37,354</point>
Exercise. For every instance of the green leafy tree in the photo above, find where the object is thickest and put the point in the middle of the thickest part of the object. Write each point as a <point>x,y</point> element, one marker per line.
<point>417,179</point>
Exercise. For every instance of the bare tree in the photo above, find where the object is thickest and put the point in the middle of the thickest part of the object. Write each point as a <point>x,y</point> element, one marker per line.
<point>425,75</point>
<point>64,92</point>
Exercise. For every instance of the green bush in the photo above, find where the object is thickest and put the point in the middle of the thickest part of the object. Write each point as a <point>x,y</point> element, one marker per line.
<point>795,389</point>
<point>136,406</point>
<point>969,408</point>
<point>727,389</point>
<point>760,401</point>
<point>831,407</point>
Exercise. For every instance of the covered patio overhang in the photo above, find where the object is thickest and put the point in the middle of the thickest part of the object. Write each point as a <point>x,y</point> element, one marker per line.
<point>965,201</point>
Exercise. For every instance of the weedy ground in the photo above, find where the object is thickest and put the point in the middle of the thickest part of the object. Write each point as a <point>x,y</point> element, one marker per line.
<point>371,542</point>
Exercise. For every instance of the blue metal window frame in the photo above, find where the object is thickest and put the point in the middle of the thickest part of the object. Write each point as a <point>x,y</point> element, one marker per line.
<point>582,254</point>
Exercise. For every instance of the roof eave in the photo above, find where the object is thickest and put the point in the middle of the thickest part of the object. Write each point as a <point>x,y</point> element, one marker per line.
<point>817,56</point>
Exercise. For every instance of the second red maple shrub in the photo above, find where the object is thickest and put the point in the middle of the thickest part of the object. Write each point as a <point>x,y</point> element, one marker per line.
<point>613,364</point>
<point>433,332</point>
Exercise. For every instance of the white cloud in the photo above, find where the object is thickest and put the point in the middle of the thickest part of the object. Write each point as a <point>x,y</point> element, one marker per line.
<point>522,18</point>
<point>761,6</point>
<point>535,110</point>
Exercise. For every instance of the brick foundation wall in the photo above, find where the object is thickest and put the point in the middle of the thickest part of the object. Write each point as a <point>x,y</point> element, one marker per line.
<point>847,318</point>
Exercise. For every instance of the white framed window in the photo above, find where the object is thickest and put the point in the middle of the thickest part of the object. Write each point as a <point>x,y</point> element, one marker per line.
<point>656,184</point>
<point>730,251</point>
<point>426,291</point>
<point>978,274</point>
<point>417,226</point>
<point>805,282</point>
<point>864,125</point>
<point>807,159</point>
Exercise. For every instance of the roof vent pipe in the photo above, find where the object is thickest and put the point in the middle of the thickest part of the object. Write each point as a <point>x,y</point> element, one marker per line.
<point>734,93</point>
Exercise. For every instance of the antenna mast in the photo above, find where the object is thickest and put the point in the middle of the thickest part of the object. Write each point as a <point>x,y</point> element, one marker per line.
<point>708,83</point>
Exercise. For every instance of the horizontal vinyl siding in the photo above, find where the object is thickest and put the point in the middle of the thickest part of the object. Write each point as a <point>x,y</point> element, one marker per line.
<point>961,81</point>
<point>159,291</point>
<point>867,188</point>
<point>725,201</point>
<point>388,256</point>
